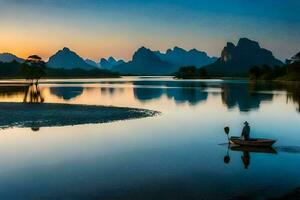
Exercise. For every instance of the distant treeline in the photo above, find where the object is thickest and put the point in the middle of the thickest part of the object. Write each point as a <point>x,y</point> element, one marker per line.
<point>190,72</point>
<point>290,72</point>
<point>14,70</point>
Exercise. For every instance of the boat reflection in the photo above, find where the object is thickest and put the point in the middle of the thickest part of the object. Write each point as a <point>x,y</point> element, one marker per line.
<point>246,153</point>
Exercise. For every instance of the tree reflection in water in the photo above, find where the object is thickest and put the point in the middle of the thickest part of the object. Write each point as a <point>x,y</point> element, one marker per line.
<point>33,94</point>
<point>293,94</point>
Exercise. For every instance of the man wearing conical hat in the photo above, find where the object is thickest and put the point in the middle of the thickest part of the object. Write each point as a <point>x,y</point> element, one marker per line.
<point>246,131</point>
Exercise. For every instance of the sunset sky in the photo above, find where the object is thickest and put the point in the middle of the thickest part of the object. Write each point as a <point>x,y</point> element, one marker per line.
<point>102,28</point>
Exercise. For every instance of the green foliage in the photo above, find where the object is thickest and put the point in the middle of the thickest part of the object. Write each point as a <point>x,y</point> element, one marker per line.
<point>10,70</point>
<point>33,68</point>
<point>287,72</point>
<point>255,72</point>
<point>190,72</point>
<point>202,73</point>
<point>25,70</point>
<point>293,71</point>
<point>80,73</point>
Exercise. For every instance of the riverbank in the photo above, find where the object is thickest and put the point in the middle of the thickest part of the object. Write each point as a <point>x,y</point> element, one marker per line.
<point>35,115</point>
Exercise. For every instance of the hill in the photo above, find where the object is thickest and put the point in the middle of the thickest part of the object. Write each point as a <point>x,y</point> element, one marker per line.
<point>92,63</point>
<point>110,62</point>
<point>67,59</point>
<point>181,57</point>
<point>145,62</point>
<point>237,60</point>
<point>8,57</point>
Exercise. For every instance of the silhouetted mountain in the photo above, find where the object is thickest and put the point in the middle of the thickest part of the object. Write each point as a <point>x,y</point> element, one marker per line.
<point>91,62</point>
<point>110,62</point>
<point>296,58</point>
<point>67,59</point>
<point>145,62</point>
<point>8,57</point>
<point>237,60</point>
<point>181,57</point>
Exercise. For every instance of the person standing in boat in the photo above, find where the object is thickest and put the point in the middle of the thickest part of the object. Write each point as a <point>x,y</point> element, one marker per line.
<point>246,131</point>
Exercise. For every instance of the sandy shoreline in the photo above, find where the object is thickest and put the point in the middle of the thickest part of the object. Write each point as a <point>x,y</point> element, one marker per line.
<point>51,114</point>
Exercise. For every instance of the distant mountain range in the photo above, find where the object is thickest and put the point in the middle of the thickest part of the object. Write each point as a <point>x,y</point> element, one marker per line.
<point>237,60</point>
<point>8,57</point>
<point>92,63</point>
<point>68,59</point>
<point>234,60</point>
<point>148,62</point>
<point>110,62</point>
<point>145,62</point>
<point>180,57</point>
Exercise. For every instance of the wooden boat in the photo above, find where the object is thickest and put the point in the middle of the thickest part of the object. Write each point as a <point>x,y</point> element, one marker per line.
<point>254,149</point>
<point>258,142</point>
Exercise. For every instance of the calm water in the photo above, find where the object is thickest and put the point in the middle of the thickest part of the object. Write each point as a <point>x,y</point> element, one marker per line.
<point>176,155</point>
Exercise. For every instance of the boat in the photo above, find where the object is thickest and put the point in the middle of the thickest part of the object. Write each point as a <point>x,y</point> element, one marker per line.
<point>257,142</point>
<point>254,149</point>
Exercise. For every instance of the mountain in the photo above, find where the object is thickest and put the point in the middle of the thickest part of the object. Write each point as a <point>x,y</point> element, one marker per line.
<point>237,60</point>
<point>8,57</point>
<point>296,58</point>
<point>110,62</point>
<point>67,59</point>
<point>91,62</point>
<point>145,62</point>
<point>180,57</point>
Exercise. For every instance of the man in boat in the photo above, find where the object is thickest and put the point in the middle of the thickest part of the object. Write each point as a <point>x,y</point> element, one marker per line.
<point>246,131</point>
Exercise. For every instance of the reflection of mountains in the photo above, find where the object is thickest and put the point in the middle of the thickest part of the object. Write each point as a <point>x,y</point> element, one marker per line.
<point>111,90</point>
<point>240,95</point>
<point>66,93</point>
<point>243,96</point>
<point>182,92</point>
<point>292,90</point>
<point>12,90</point>
<point>29,93</point>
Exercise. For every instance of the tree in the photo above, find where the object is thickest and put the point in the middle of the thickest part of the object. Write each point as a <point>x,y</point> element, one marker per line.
<point>188,72</point>
<point>202,73</point>
<point>33,68</point>
<point>254,72</point>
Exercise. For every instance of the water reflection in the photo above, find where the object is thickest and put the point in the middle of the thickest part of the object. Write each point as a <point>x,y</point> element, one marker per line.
<point>244,96</point>
<point>66,93</point>
<point>144,94</point>
<point>12,90</point>
<point>293,93</point>
<point>33,94</point>
<point>176,151</point>
<point>246,151</point>
<point>192,95</point>
<point>292,90</point>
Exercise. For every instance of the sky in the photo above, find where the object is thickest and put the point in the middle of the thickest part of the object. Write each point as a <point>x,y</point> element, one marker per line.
<point>103,28</point>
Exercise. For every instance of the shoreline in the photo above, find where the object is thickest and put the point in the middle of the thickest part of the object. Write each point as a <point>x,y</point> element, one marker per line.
<point>36,115</point>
